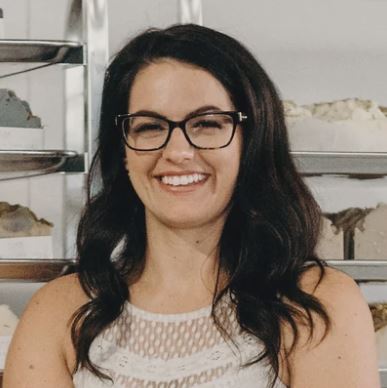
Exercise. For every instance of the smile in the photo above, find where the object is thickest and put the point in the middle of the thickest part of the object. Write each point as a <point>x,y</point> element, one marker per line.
<point>182,180</point>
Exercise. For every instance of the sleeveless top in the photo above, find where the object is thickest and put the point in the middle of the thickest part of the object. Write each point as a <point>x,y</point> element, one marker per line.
<point>141,349</point>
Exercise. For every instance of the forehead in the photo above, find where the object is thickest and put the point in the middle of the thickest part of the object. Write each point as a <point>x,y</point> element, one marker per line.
<point>175,88</point>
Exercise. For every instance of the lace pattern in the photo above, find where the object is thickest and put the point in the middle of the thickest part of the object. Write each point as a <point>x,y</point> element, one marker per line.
<point>143,350</point>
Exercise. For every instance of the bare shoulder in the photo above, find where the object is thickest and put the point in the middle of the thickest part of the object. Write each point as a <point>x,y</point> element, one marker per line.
<point>336,290</point>
<point>41,344</point>
<point>348,352</point>
<point>56,301</point>
<point>64,293</point>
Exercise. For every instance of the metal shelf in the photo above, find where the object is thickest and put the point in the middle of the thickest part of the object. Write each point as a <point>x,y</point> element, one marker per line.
<point>346,163</point>
<point>383,377</point>
<point>24,163</point>
<point>34,270</point>
<point>370,270</point>
<point>48,51</point>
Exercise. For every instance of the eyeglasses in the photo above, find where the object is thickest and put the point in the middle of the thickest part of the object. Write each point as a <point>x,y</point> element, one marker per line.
<point>204,131</point>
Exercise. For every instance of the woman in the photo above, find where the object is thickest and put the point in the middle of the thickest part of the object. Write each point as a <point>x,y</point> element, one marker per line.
<point>196,256</point>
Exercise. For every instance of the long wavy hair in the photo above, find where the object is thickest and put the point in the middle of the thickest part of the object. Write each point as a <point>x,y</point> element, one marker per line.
<point>269,237</point>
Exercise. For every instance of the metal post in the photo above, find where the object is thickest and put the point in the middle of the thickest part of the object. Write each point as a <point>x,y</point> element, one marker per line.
<point>97,57</point>
<point>88,24</point>
<point>190,11</point>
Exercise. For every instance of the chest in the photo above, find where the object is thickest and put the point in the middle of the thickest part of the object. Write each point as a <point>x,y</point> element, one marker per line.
<point>184,350</point>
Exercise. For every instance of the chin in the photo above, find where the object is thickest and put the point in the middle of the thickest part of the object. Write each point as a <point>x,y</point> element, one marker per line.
<point>191,221</point>
<point>184,223</point>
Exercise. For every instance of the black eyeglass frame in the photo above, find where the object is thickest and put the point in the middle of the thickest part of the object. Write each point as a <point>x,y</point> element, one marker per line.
<point>238,117</point>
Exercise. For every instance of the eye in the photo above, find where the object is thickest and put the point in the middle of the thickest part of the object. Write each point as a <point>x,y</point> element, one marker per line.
<point>147,127</point>
<point>207,124</point>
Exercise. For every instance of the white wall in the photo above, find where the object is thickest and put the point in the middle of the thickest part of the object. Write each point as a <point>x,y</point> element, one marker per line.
<point>314,50</point>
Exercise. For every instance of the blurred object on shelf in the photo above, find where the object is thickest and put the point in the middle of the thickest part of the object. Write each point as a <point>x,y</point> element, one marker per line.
<point>346,221</point>
<point>379,315</point>
<point>370,237</point>
<point>331,242</point>
<point>15,112</point>
<point>363,232</point>
<point>19,128</point>
<point>354,109</point>
<point>19,221</point>
<point>22,234</point>
<point>349,125</point>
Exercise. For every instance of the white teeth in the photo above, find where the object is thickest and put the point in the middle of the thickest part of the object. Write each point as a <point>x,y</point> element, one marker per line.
<point>182,180</point>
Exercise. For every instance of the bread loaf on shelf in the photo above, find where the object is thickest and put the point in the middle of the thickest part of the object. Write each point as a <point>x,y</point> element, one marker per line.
<point>370,237</point>
<point>331,242</point>
<point>379,315</point>
<point>15,112</point>
<point>362,232</point>
<point>348,125</point>
<point>19,128</point>
<point>345,222</point>
<point>19,221</point>
<point>22,234</point>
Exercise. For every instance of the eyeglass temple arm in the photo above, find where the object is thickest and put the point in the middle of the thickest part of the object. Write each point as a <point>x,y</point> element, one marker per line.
<point>241,116</point>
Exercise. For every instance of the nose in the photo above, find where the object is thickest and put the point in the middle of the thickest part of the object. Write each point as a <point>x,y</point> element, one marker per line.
<point>178,149</point>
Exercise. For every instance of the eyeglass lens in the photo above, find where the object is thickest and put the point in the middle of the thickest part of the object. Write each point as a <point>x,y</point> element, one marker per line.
<point>204,131</point>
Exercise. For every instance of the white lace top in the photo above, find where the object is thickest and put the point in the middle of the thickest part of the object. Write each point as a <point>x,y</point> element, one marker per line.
<point>148,350</point>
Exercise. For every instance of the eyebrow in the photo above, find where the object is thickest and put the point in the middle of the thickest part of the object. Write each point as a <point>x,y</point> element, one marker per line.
<point>202,109</point>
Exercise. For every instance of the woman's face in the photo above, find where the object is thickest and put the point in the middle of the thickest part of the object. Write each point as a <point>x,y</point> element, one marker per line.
<point>174,89</point>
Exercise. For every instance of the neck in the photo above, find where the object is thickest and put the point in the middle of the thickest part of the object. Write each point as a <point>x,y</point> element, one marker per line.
<point>181,265</point>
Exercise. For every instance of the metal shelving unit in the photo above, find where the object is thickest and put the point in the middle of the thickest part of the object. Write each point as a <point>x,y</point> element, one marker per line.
<point>362,270</point>
<point>46,51</point>
<point>383,376</point>
<point>353,165</point>
<point>86,45</point>
<point>356,164</point>
<point>25,163</point>
<point>34,270</point>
